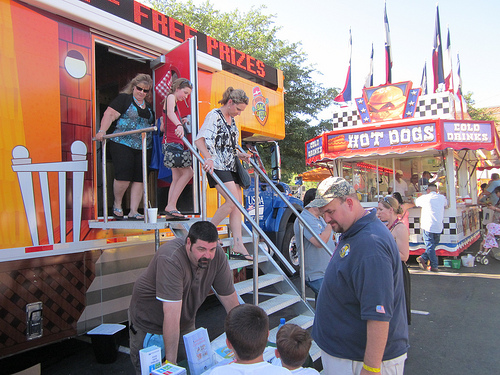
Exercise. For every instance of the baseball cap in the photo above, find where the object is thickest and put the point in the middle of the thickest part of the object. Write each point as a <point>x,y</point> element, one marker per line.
<point>430,174</point>
<point>399,171</point>
<point>329,189</point>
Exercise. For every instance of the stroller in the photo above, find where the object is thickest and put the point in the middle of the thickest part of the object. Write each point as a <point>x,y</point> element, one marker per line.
<point>489,244</point>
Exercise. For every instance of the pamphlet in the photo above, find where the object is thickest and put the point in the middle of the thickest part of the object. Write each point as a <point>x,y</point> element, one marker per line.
<point>198,350</point>
<point>169,369</point>
<point>150,358</point>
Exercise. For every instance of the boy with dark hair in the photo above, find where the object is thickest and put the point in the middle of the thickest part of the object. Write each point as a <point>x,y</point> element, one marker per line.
<point>293,344</point>
<point>247,330</point>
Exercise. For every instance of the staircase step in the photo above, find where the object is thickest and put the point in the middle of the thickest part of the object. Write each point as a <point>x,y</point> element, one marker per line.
<point>315,351</point>
<point>246,286</point>
<point>303,321</point>
<point>279,303</point>
<point>238,263</point>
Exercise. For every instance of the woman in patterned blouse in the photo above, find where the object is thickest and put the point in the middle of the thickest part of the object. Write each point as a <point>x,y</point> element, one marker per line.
<point>217,141</point>
<point>131,111</point>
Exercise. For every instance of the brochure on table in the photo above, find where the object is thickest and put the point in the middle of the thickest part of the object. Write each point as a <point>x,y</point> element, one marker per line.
<point>198,351</point>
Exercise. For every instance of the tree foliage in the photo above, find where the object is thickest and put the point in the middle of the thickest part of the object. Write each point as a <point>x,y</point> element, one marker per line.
<point>479,114</point>
<point>255,33</point>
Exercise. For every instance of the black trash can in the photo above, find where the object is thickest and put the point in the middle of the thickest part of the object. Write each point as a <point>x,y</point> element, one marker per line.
<point>104,342</point>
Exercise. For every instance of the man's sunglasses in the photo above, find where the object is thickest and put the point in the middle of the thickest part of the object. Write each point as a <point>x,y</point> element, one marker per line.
<point>141,89</point>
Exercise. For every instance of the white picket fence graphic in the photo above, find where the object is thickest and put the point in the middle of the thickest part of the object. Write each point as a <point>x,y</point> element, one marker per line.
<point>21,164</point>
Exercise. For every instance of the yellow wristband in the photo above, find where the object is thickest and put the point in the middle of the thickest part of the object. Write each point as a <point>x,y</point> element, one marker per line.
<point>371,369</point>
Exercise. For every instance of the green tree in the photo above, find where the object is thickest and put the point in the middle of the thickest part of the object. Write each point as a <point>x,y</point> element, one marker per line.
<point>479,114</point>
<point>256,34</point>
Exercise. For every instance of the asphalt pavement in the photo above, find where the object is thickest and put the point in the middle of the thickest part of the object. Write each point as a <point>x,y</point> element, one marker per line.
<point>454,328</point>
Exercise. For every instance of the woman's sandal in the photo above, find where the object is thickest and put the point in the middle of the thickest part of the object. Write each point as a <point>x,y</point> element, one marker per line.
<point>118,213</point>
<point>239,256</point>
<point>174,215</point>
<point>136,216</point>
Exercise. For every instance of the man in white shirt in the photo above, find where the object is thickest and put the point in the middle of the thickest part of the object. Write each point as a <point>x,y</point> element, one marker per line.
<point>399,184</point>
<point>431,223</point>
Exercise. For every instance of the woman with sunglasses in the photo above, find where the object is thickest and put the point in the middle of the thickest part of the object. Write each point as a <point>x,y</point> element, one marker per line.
<point>388,212</point>
<point>131,111</point>
<point>217,141</point>
<point>174,132</point>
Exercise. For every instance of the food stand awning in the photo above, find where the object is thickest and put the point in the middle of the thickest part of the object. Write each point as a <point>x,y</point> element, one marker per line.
<point>402,137</point>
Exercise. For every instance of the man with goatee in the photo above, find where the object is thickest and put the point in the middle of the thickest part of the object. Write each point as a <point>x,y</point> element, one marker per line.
<point>168,294</point>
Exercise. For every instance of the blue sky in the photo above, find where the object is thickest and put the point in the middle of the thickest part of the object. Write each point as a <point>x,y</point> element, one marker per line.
<point>323,28</point>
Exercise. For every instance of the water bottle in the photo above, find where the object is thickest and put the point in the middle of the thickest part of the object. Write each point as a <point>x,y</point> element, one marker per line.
<point>282,323</point>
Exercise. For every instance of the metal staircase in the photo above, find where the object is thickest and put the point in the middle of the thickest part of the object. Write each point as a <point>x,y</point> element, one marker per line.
<point>270,288</point>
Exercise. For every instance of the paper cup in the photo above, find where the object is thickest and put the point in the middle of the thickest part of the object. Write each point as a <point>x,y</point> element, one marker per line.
<point>152,215</point>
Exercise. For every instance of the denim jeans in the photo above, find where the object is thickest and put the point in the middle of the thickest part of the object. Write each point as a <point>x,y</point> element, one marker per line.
<point>315,286</point>
<point>430,241</point>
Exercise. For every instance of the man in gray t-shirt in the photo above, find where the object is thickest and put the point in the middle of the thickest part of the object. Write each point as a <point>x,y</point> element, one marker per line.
<point>168,294</point>
<point>316,258</point>
<point>495,181</point>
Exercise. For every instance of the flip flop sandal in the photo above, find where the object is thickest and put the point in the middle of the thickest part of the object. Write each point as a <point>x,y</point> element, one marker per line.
<point>118,213</point>
<point>239,256</point>
<point>136,216</point>
<point>175,215</point>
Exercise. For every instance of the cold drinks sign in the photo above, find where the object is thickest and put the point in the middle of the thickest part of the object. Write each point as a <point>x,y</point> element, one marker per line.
<point>417,136</point>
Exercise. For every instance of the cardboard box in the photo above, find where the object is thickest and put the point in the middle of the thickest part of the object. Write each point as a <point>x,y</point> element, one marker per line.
<point>169,369</point>
<point>150,358</point>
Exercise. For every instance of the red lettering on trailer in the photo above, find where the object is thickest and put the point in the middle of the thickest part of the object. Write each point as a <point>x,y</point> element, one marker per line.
<point>160,22</point>
<point>189,32</point>
<point>138,13</point>
<point>251,64</point>
<point>240,60</point>
<point>224,52</point>
<point>211,45</point>
<point>261,69</point>
<point>175,29</point>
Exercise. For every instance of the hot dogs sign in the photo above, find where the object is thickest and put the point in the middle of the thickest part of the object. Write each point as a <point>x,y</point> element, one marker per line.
<point>381,138</point>
<point>415,136</point>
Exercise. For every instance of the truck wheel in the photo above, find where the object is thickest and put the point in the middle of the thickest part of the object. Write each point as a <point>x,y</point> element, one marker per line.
<point>289,249</point>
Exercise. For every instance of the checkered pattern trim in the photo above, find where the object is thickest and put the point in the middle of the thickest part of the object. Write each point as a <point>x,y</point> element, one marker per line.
<point>450,224</point>
<point>163,87</point>
<point>435,105</point>
<point>464,223</point>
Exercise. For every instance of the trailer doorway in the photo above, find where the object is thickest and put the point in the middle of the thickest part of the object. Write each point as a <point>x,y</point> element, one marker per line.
<point>115,66</point>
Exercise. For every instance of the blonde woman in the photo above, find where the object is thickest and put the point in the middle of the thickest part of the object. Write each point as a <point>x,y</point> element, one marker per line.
<point>388,212</point>
<point>217,141</point>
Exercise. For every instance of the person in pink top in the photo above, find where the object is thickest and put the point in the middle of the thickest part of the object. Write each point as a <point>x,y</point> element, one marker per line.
<point>174,132</point>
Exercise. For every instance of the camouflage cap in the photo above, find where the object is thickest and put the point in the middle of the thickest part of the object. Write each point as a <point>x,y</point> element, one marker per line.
<point>329,189</point>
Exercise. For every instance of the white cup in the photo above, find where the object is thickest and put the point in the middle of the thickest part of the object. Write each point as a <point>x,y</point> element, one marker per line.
<point>152,215</point>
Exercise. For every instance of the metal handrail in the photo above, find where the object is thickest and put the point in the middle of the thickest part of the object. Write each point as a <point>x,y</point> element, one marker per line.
<point>243,211</point>
<point>283,198</point>
<point>144,167</point>
<point>302,224</point>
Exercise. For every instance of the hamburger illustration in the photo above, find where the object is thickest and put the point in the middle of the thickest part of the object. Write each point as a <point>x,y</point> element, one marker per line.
<point>387,103</point>
<point>337,144</point>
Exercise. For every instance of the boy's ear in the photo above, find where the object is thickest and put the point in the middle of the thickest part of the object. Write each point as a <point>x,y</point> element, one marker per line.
<point>228,343</point>
<point>276,353</point>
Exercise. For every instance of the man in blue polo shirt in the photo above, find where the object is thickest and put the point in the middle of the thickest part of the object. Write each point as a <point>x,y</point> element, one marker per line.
<point>360,322</point>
